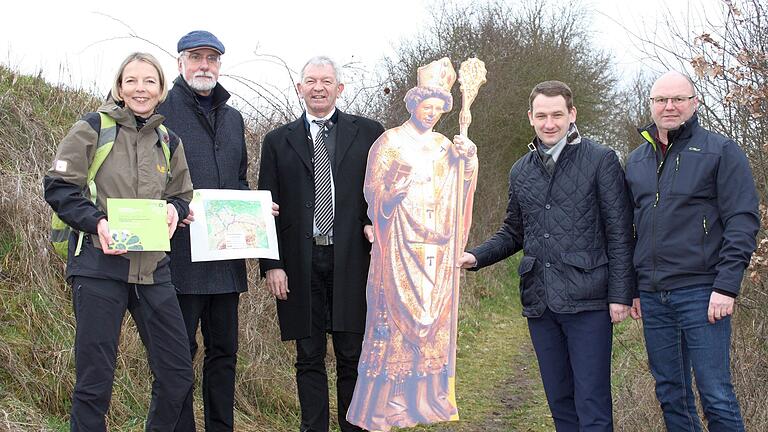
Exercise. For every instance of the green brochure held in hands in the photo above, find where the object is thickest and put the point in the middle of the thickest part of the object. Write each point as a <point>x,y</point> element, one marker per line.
<point>138,224</point>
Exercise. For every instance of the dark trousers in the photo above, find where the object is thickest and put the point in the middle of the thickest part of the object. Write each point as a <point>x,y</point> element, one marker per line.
<point>311,376</point>
<point>217,316</point>
<point>574,353</point>
<point>99,306</point>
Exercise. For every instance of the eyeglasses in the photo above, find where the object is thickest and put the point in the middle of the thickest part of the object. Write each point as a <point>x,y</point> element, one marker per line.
<point>677,100</point>
<point>196,58</point>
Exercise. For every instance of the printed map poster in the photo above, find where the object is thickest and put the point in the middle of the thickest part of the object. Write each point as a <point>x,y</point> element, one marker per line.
<point>232,224</point>
<point>138,224</point>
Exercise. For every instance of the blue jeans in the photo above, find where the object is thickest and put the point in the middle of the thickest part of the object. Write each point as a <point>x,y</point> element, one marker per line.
<point>679,338</point>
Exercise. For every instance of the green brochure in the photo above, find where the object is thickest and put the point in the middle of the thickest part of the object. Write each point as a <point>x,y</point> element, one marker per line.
<point>138,224</point>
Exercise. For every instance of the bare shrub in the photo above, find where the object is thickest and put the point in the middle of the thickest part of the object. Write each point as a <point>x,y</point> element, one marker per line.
<point>521,46</point>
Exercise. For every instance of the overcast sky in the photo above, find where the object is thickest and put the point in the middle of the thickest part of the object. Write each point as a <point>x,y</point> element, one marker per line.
<point>80,43</point>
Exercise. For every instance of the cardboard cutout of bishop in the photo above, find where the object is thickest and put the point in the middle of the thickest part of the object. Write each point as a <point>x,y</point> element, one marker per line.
<point>419,187</point>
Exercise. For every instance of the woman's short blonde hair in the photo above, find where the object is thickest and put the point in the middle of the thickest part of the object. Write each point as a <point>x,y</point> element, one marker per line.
<point>140,56</point>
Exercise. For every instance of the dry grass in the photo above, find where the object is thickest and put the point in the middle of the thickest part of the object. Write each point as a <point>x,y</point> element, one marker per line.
<point>36,327</point>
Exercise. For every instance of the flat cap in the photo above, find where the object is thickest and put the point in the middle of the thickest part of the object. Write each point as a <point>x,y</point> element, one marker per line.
<point>199,39</point>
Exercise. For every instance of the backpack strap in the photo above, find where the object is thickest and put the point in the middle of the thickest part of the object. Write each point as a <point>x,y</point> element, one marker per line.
<point>107,135</point>
<point>165,138</point>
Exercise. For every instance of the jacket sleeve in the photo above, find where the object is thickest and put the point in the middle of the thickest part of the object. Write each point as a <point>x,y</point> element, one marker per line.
<point>508,239</point>
<point>616,214</point>
<point>66,179</point>
<point>738,202</point>
<point>243,172</point>
<point>377,131</point>
<point>179,190</point>
<point>268,180</point>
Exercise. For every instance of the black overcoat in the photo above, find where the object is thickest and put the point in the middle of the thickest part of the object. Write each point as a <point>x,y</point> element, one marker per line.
<point>286,170</point>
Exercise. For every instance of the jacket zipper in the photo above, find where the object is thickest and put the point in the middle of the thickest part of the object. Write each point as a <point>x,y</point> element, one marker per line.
<point>677,169</point>
<point>704,242</point>
<point>653,214</point>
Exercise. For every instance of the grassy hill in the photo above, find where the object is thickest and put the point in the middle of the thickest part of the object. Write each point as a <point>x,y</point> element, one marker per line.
<point>36,320</point>
<point>36,330</point>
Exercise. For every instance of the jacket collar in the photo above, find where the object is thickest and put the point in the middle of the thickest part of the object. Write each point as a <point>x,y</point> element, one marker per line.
<point>572,137</point>
<point>125,117</point>
<point>298,137</point>
<point>650,133</point>
<point>219,93</point>
<point>345,136</point>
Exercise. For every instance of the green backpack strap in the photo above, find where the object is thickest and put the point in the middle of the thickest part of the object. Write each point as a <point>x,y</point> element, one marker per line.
<point>107,135</point>
<point>60,231</point>
<point>165,138</point>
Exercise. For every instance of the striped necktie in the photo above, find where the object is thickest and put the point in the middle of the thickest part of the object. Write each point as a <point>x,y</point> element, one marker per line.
<point>322,164</point>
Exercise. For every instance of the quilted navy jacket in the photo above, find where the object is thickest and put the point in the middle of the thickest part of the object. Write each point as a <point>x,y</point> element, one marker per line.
<point>575,230</point>
<point>696,211</point>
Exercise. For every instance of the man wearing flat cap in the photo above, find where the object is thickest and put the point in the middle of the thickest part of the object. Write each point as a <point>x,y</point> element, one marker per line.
<point>208,292</point>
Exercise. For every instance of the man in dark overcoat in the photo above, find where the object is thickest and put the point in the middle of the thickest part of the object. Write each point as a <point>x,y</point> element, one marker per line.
<point>315,169</point>
<point>208,292</point>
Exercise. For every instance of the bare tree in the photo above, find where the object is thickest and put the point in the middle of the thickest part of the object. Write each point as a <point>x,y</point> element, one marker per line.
<point>521,46</point>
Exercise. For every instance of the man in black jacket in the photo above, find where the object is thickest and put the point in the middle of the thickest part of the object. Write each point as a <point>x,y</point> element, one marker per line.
<point>696,213</point>
<point>569,212</point>
<point>208,292</point>
<point>315,168</point>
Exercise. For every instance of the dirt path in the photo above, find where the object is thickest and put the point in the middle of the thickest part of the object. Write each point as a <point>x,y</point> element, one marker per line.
<point>498,385</point>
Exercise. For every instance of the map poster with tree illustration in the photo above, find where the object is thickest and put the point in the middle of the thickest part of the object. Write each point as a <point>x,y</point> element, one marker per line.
<point>232,224</point>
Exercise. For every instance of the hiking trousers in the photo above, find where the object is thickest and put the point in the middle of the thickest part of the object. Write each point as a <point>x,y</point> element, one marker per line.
<point>100,306</point>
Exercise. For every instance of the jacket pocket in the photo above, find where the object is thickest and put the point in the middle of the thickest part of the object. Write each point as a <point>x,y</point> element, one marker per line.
<point>526,265</point>
<point>711,239</point>
<point>585,274</point>
<point>527,280</point>
<point>693,173</point>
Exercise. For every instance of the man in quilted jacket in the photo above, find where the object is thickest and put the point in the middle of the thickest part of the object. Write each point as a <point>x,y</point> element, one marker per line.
<point>570,213</point>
